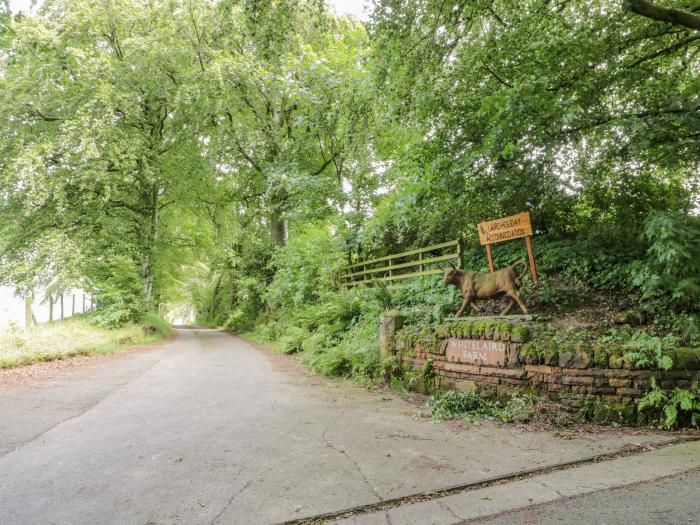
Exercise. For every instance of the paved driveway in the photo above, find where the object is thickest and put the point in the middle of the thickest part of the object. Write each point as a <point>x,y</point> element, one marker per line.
<point>208,429</point>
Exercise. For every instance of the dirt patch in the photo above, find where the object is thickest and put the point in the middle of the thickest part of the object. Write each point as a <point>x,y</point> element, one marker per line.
<point>28,374</point>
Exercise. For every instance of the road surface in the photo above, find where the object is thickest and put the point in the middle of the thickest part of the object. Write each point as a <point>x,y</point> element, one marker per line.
<point>207,429</point>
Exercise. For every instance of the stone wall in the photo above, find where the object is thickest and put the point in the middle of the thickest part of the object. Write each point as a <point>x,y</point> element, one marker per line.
<point>494,357</point>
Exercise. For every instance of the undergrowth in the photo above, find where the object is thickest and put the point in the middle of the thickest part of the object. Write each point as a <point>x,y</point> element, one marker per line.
<point>74,337</point>
<point>520,408</point>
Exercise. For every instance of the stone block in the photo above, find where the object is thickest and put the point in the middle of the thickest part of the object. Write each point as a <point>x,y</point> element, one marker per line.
<point>389,324</point>
<point>542,369</point>
<point>577,380</point>
<point>459,367</point>
<point>601,390</point>
<point>512,354</point>
<point>566,359</point>
<point>611,398</point>
<point>516,373</point>
<point>465,385</point>
<point>582,359</point>
<point>630,392</point>
<point>642,384</point>
<point>600,381</point>
<point>619,382</point>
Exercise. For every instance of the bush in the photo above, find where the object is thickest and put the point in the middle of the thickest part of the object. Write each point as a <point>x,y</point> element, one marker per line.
<point>250,301</point>
<point>306,267</point>
<point>679,408</point>
<point>117,291</point>
<point>459,405</point>
<point>673,260</point>
<point>293,340</point>
<point>152,324</point>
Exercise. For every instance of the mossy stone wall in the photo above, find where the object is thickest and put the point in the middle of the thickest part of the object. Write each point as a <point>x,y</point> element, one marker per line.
<point>601,383</point>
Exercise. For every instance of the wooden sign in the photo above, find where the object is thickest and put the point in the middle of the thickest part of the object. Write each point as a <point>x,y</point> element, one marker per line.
<point>475,351</point>
<point>505,229</point>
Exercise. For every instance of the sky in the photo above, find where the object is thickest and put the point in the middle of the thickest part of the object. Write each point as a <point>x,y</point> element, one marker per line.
<point>357,8</point>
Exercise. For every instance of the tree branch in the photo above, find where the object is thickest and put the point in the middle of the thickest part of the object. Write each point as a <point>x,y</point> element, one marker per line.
<point>664,14</point>
<point>673,47</point>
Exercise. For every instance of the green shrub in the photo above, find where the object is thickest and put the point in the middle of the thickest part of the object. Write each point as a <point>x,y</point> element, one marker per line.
<point>117,292</point>
<point>459,405</point>
<point>314,343</point>
<point>307,266</point>
<point>649,351</point>
<point>679,408</point>
<point>673,276</point>
<point>293,340</point>
<point>153,324</point>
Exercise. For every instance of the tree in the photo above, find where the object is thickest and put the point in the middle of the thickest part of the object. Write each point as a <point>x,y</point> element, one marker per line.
<point>575,110</point>
<point>284,77</point>
<point>91,94</point>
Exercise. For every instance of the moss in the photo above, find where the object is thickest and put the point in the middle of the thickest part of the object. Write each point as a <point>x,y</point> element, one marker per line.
<point>503,330</point>
<point>621,413</point>
<point>519,333</point>
<point>550,354</point>
<point>601,357</point>
<point>531,353</point>
<point>443,331</point>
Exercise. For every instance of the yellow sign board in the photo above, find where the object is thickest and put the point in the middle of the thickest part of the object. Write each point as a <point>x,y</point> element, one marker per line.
<point>505,228</point>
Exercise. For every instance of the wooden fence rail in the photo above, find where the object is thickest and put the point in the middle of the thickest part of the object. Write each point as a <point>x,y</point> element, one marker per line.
<point>404,265</point>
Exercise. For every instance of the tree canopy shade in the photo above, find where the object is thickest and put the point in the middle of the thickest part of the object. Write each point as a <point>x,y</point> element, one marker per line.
<point>127,125</point>
<point>168,150</point>
<point>581,111</point>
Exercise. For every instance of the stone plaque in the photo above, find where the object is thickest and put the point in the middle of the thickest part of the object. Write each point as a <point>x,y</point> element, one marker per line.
<point>476,351</point>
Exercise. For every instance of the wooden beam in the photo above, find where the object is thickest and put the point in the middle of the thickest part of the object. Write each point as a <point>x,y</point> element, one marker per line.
<point>531,256</point>
<point>404,254</point>
<point>419,262</point>
<point>490,258</point>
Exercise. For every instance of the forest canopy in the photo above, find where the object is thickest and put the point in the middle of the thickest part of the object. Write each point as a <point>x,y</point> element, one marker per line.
<point>234,154</point>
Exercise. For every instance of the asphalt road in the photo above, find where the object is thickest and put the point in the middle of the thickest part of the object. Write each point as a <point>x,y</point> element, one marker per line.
<point>208,429</point>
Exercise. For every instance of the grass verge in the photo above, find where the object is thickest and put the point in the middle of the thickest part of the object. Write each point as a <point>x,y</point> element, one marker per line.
<point>75,337</point>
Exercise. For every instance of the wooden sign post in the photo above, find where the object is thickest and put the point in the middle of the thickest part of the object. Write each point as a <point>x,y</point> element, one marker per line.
<point>507,229</point>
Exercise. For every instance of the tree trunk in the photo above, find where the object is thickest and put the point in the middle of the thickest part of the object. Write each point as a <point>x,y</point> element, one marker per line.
<point>147,271</point>
<point>50,308</point>
<point>28,314</point>
<point>72,310</point>
<point>61,306</point>
<point>278,232</point>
